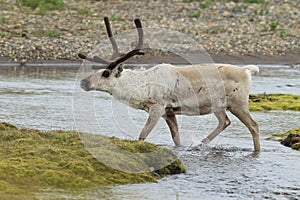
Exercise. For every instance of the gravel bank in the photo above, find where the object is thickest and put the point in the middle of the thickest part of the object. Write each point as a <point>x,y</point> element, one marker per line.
<point>224,28</point>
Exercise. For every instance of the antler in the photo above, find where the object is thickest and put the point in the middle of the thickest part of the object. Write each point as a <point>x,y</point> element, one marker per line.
<point>116,52</point>
<point>126,56</point>
<point>117,57</point>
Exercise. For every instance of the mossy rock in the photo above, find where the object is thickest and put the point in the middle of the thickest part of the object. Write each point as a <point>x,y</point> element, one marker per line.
<point>290,138</point>
<point>261,102</point>
<point>296,146</point>
<point>32,159</point>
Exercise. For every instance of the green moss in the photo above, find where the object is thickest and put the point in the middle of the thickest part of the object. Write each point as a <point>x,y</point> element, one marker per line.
<point>9,191</point>
<point>273,25</point>
<point>280,136</point>
<point>205,4</point>
<point>7,126</point>
<point>292,131</point>
<point>115,18</point>
<point>296,146</point>
<point>84,11</point>
<point>49,4</point>
<point>261,102</point>
<point>42,5</point>
<point>254,1</point>
<point>59,160</point>
<point>53,33</point>
<point>195,14</point>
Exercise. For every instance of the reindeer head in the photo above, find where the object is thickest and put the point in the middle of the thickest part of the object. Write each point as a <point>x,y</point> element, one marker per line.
<point>105,79</point>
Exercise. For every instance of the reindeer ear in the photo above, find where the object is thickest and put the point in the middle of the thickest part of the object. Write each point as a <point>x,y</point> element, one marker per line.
<point>115,72</point>
<point>118,70</point>
<point>106,73</point>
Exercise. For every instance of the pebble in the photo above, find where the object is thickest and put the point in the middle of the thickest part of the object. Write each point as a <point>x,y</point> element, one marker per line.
<point>226,27</point>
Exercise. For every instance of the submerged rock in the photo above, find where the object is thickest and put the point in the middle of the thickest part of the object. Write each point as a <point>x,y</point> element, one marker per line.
<point>292,140</point>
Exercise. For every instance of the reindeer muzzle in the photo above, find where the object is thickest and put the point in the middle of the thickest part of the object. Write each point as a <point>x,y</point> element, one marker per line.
<point>85,85</point>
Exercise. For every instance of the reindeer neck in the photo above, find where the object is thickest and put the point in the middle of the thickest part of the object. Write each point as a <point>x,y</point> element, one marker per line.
<point>125,84</point>
<point>130,88</point>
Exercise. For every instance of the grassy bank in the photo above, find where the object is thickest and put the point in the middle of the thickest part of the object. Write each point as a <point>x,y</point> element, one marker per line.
<point>31,160</point>
<point>261,102</point>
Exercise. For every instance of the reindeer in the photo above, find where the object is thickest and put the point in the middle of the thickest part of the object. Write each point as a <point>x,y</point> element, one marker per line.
<point>166,90</point>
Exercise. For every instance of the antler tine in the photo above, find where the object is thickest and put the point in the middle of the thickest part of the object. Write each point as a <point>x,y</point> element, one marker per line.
<point>116,53</point>
<point>139,27</point>
<point>111,38</point>
<point>131,53</point>
<point>95,59</point>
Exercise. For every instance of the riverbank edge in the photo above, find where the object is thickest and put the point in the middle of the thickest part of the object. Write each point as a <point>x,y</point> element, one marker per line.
<point>32,160</point>
<point>290,59</point>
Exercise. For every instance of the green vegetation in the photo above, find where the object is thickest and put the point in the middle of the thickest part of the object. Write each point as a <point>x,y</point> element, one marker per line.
<point>196,14</point>
<point>3,19</point>
<point>261,12</point>
<point>260,102</point>
<point>115,18</point>
<point>280,136</point>
<point>205,4</point>
<point>254,1</point>
<point>32,160</point>
<point>282,33</point>
<point>83,11</point>
<point>273,25</point>
<point>53,33</point>
<point>42,5</point>
<point>202,4</point>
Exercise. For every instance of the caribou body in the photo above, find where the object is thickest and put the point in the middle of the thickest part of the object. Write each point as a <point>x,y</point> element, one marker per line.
<point>166,90</point>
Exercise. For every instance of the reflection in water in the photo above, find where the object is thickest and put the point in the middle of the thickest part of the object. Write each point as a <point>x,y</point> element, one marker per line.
<point>226,169</point>
<point>37,98</point>
<point>227,173</point>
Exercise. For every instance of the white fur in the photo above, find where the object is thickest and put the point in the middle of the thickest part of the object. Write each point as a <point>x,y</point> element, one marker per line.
<point>166,91</point>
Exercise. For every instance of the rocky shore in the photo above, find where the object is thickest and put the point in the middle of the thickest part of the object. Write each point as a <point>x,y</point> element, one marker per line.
<point>225,29</point>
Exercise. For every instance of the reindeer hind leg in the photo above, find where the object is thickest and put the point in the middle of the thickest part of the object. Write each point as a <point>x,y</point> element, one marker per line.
<point>244,116</point>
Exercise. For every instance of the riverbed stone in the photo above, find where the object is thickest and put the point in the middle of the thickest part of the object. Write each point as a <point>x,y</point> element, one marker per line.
<point>222,27</point>
<point>292,140</point>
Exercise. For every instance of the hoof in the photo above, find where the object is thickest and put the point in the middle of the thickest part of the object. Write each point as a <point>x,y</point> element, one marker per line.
<point>206,141</point>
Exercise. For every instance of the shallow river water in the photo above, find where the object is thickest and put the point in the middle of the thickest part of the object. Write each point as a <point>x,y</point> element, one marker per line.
<point>42,98</point>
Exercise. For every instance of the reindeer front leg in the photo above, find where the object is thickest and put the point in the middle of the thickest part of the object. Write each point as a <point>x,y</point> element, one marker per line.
<point>173,126</point>
<point>155,112</point>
